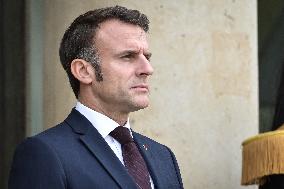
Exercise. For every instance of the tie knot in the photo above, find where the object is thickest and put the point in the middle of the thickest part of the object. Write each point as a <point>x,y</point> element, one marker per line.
<point>122,135</point>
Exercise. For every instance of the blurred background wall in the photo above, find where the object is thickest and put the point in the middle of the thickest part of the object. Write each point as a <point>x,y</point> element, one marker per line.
<point>204,98</point>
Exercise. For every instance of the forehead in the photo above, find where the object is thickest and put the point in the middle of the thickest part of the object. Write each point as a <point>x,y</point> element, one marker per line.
<point>115,34</point>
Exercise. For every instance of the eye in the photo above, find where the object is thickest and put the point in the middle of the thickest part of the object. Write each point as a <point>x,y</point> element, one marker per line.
<point>128,56</point>
<point>148,56</point>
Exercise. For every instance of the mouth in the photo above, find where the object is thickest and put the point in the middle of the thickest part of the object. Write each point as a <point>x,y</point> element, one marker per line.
<point>141,87</point>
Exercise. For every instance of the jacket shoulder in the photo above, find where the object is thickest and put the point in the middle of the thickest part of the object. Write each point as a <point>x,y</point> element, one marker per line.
<point>32,155</point>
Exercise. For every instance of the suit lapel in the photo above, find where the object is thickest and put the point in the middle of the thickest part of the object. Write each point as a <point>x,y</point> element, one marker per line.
<point>100,149</point>
<point>149,158</point>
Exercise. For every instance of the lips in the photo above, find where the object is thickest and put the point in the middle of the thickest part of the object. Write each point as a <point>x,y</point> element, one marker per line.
<point>142,87</point>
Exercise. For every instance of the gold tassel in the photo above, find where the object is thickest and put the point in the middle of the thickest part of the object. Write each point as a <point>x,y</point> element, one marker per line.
<point>263,155</point>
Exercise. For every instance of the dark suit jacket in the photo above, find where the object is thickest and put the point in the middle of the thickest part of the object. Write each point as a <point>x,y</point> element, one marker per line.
<point>73,155</point>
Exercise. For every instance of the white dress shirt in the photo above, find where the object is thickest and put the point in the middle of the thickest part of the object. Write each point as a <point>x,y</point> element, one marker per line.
<point>105,125</point>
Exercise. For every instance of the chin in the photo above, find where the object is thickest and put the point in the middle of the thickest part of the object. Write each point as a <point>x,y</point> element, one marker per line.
<point>138,102</point>
<point>140,105</point>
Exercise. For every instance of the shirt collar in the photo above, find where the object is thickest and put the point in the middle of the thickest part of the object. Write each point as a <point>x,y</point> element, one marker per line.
<point>101,122</point>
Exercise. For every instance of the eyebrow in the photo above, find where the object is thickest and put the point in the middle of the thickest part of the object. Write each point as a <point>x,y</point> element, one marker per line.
<point>134,51</point>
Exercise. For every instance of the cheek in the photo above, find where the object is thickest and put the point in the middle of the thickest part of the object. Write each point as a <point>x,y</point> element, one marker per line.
<point>119,75</point>
<point>115,86</point>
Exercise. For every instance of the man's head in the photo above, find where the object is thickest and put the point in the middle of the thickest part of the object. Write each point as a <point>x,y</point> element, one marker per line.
<point>106,56</point>
<point>78,41</point>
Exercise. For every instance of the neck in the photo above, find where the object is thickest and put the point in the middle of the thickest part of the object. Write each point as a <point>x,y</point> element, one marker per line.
<point>118,117</point>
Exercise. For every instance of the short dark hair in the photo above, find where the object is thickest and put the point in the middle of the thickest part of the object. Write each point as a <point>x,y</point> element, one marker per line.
<point>78,40</point>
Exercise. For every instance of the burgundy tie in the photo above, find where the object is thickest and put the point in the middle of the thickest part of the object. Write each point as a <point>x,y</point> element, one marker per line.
<point>132,158</point>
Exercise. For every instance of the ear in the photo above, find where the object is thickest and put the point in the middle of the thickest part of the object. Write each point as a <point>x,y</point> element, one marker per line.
<point>82,70</point>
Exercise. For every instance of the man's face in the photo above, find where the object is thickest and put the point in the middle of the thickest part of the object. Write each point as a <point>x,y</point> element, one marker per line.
<point>124,57</point>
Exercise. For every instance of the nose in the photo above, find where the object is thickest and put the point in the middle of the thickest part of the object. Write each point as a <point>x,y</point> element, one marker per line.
<point>144,68</point>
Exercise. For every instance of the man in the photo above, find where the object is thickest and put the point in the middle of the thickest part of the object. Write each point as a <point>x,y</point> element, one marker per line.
<point>106,56</point>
